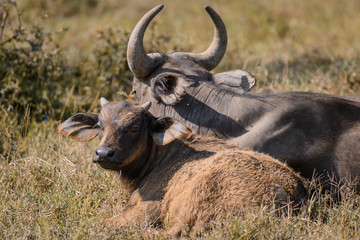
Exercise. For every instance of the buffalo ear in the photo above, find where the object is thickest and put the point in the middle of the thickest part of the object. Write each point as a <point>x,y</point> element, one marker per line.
<point>170,88</point>
<point>165,130</point>
<point>81,127</point>
<point>237,81</point>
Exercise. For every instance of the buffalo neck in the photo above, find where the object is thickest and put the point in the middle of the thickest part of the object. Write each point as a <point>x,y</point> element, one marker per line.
<point>153,157</point>
<point>164,161</point>
<point>212,111</point>
<point>170,157</point>
<point>136,169</point>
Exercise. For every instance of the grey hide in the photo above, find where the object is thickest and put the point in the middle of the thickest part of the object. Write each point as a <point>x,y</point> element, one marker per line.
<point>313,133</point>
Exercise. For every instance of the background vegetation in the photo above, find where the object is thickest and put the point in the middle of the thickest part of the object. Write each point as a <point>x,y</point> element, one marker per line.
<point>58,57</point>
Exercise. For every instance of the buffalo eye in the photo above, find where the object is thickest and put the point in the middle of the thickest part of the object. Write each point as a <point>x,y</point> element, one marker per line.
<point>134,129</point>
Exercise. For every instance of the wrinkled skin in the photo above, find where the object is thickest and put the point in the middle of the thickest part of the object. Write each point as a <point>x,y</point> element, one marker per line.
<point>302,129</point>
<point>314,134</point>
<point>178,179</point>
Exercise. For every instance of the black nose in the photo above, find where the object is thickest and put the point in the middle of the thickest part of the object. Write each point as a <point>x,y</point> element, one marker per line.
<point>102,154</point>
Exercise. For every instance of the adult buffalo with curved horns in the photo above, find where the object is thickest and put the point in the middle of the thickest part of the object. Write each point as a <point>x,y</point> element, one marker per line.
<point>308,131</point>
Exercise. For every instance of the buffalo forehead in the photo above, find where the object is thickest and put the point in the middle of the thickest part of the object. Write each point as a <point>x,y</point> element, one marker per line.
<point>175,64</point>
<point>122,113</point>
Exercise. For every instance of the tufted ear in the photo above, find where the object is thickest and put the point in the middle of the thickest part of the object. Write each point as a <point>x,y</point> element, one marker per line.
<point>81,127</point>
<point>170,88</point>
<point>237,81</point>
<point>165,130</point>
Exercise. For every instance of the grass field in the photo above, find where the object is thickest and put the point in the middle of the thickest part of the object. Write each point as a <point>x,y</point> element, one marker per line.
<point>49,189</point>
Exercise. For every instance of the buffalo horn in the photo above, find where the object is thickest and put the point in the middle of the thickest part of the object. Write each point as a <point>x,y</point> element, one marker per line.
<point>146,106</point>
<point>140,63</point>
<point>103,101</point>
<point>213,55</point>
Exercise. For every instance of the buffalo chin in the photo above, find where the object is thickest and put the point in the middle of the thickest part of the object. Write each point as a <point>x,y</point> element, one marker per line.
<point>110,165</point>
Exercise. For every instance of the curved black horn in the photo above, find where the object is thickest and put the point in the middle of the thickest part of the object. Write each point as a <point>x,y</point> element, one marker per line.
<point>213,55</point>
<point>140,63</point>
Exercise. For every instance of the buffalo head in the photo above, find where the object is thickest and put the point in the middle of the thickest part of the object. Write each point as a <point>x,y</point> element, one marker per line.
<point>167,77</point>
<point>126,132</point>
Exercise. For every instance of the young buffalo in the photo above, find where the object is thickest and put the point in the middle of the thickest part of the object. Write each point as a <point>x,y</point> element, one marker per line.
<point>177,178</point>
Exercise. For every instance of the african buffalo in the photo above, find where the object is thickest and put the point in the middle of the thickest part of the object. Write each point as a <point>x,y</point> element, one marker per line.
<point>176,178</point>
<point>312,133</point>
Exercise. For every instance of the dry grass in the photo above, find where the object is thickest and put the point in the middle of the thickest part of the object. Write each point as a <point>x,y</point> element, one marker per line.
<point>288,45</point>
<point>53,191</point>
<point>50,190</point>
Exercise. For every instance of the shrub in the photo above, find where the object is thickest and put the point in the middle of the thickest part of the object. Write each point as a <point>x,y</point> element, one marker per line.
<point>40,83</point>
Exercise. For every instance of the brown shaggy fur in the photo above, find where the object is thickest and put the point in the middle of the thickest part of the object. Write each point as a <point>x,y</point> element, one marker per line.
<point>204,180</point>
<point>185,182</point>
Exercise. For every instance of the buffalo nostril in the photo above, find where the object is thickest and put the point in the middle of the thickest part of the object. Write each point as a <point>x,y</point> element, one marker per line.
<point>99,153</point>
<point>103,153</point>
<point>110,153</point>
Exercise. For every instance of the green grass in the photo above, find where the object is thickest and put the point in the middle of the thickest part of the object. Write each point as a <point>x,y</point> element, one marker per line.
<point>49,189</point>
